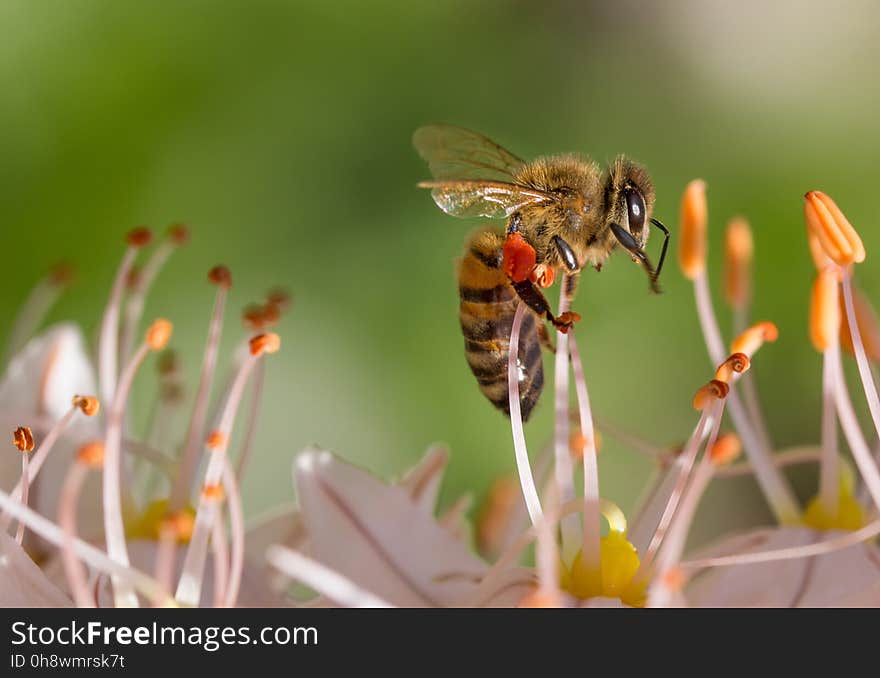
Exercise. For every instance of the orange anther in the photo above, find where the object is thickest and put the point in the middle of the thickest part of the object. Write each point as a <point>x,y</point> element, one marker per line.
<point>737,363</point>
<point>726,448</point>
<point>216,440</point>
<point>754,337</point>
<point>158,334</point>
<point>709,393</point>
<point>694,219</point>
<point>23,439</point>
<point>674,579</point>
<point>738,248</point>
<point>265,343</point>
<point>139,237</point>
<point>279,298</point>
<point>89,405</point>
<point>178,234</point>
<point>220,275</point>
<point>180,525</point>
<point>577,443</point>
<point>824,309</point>
<point>835,234</point>
<point>257,317</point>
<point>543,275</point>
<point>213,492</point>
<point>91,454</point>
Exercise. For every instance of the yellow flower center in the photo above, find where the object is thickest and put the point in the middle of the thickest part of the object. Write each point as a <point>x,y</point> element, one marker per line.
<point>619,562</point>
<point>149,523</point>
<point>849,514</point>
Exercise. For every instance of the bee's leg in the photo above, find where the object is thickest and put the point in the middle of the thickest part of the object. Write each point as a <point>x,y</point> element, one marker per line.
<point>570,281</point>
<point>535,300</point>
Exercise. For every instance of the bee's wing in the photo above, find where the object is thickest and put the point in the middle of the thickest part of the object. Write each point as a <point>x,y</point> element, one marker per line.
<point>457,153</point>
<point>490,199</point>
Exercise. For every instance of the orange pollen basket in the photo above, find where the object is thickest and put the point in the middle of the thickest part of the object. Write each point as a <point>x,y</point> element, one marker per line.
<point>519,257</point>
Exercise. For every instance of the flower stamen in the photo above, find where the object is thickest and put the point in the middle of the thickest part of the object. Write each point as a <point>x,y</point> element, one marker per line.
<point>177,235</point>
<point>155,339</point>
<point>108,337</point>
<point>190,583</point>
<point>181,488</point>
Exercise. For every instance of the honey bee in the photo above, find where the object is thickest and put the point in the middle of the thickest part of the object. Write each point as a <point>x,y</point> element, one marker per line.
<point>563,213</point>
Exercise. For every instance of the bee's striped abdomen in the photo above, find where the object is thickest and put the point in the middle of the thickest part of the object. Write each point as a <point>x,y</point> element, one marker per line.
<point>488,304</point>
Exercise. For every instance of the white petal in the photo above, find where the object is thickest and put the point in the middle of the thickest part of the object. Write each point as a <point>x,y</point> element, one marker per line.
<point>841,578</point>
<point>22,583</point>
<point>373,534</point>
<point>47,373</point>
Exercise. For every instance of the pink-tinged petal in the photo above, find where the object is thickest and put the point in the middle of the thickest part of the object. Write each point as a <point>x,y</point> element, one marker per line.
<point>423,480</point>
<point>47,373</point>
<point>841,578</point>
<point>374,535</point>
<point>22,583</point>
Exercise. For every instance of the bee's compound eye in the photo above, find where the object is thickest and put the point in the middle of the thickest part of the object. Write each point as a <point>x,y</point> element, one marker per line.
<point>635,210</point>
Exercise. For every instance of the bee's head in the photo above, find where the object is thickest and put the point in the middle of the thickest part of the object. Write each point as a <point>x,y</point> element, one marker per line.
<point>629,198</point>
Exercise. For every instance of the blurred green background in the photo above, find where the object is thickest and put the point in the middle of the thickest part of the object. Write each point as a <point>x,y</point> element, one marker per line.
<point>280,131</point>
